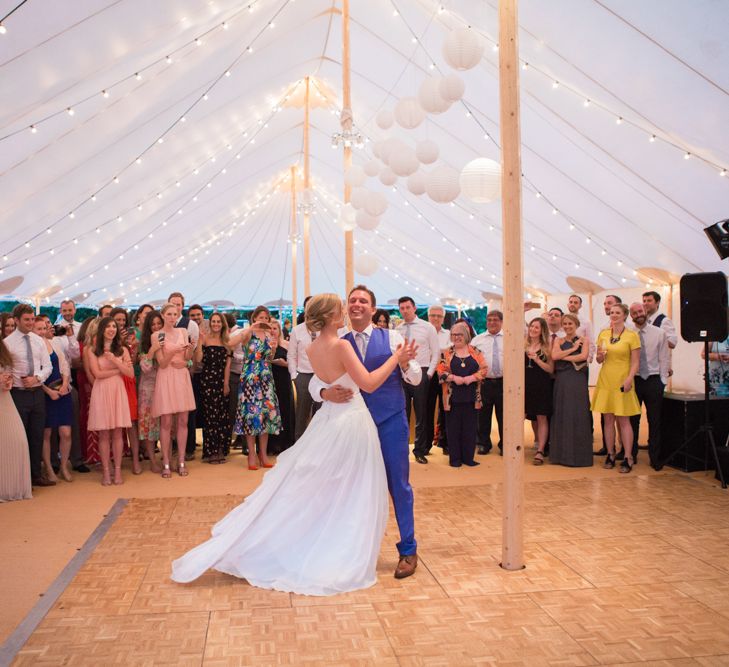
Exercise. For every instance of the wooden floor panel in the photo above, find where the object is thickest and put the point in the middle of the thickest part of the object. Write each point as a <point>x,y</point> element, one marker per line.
<point>624,571</point>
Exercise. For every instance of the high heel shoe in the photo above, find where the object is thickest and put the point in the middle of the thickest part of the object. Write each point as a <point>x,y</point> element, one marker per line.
<point>118,476</point>
<point>166,474</point>
<point>267,464</point>
<point>252,463</point>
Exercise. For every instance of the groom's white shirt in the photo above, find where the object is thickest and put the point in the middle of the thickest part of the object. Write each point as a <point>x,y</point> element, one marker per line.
<point>412,375</point>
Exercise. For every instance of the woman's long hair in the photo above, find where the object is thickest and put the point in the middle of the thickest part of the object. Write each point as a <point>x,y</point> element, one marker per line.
<point>116,345</point>
<point>543,336</point>
<point>145,340</point>
<point>223,326</point>
<point>6,359</point>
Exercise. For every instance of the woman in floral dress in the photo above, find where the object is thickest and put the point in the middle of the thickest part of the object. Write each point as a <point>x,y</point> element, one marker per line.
<point>258,412</point>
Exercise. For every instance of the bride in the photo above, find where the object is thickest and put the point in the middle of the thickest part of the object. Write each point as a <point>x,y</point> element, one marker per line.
<point>315,524</point>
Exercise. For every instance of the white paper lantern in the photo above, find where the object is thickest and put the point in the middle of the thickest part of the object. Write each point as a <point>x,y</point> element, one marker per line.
<point>385,148</point>
<point>429,96</point>
<point>408,113</point>
<point>366,221</point>
<point>384,119</point>
<point>372,168</point>
<point>377,147</point>
<point>375,203</point>
<point>416,183</point>
<point>452,87</point>
<point>347,217</point>
<point>427,151</point>
<point>355,176</point>
<point>366,265</point>
<point>442,185</point>
<point>358,197</point>
<point>481,180</point>
<point>463,48</point>
<point>387,176</point>
<point>404,163</point>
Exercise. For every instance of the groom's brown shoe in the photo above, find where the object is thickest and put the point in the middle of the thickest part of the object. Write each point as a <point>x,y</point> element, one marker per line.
<point>406,566</point>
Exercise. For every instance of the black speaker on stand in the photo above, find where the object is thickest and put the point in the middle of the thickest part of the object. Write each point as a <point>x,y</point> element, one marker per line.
<point>704,318</point>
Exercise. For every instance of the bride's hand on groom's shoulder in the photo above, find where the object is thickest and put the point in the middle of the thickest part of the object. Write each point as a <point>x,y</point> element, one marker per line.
<point>337,394</point>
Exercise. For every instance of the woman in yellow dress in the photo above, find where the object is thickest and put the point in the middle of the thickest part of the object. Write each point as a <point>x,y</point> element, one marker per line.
<point>618,350</point>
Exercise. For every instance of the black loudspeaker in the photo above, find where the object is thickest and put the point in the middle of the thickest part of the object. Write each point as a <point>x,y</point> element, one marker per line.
<point>704,313</point>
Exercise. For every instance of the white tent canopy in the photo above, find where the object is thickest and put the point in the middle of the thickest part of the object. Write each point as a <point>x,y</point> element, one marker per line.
<point>624,117</point>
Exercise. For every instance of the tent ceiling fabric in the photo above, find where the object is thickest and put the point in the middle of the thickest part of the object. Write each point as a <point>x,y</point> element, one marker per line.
<point>600,199</point>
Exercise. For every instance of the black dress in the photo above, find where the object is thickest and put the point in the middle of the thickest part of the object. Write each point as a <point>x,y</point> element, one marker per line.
<point>282,380</point>
<point>216,427</point>
<point>538,388</point>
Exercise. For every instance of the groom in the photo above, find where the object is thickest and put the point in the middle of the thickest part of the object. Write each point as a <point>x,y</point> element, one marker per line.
<point>387,406</point>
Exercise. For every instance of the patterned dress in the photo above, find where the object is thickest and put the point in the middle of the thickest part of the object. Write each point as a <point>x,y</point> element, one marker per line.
<point>257,403</point>
<point>148,425</point>
<point>216,437</point>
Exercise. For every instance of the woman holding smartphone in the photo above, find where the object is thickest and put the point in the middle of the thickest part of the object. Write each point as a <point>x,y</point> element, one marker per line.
<point>173,395</point>
<point>258,411</point>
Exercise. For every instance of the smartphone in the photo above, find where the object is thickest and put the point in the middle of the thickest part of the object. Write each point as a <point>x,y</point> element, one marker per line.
<point>161,336</point>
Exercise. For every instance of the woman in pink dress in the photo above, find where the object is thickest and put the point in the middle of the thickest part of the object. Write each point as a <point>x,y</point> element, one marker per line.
<point>173,395</point>
<point>86,341</point>
<point>109,407</point>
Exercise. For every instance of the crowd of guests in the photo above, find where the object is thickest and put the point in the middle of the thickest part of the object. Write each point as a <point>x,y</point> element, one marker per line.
<point>141,384</point>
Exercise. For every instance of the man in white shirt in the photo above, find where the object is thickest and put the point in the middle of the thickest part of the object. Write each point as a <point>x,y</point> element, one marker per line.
<point>574,304</point>
<point>491,345</point>
<point>31,368</point>
<point>436,316</point>
<point>416,397</point>
<point>651,303</point>
<point>651,380</point>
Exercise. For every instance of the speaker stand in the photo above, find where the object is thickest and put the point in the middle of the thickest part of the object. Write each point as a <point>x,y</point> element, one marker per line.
<point>706,428</point>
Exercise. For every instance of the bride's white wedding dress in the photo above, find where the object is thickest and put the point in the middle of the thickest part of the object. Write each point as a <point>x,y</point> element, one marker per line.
<point>316,522</point>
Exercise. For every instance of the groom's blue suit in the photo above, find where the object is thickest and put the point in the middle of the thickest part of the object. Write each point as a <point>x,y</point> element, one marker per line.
<point>387,406</point>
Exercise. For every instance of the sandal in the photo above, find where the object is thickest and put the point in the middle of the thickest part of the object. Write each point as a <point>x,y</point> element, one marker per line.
<point>625,466</point>
<point>166,471</point>
<point>182,469</point>
<point>538,459</point>
<point>609,462</point>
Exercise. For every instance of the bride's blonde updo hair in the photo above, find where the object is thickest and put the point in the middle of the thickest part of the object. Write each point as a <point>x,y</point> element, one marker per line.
<point>320,310</point>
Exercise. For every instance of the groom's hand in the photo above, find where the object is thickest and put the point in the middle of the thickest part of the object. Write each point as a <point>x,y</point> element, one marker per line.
<point>337,394</point>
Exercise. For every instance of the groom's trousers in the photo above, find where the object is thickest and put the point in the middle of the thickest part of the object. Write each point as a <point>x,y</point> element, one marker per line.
<point>394,434</point>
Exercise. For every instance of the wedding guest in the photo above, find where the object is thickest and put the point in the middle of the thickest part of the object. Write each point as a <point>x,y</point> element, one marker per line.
<point>148,424</point>
<point>173,397</point>
<point>196,418</point>
<point>286,329</point>
<point>381,318</point>
<point>571,424</point>
<point>461,371</point>
<point>471,330</point>
<point>214,359</point>
<point>491,345</point>
<point>7,325</point>
<point>14,458</point>
<point>718,368</point>
<point>428,356</point>
<point>574,304</point>
<point>109,407</point>
<point>538,384</point>
<point>59,405</point>
<point>651,304</point>
<point>31,368</point>
<point>87,340</point>
<point>282,380</point>
<point>436,424</point>
<point>650,380</point>
<point>301,373</point>
<point>105,311</point>
<point>139,316</point>
<point>618,350</point>
<point>258,412</point>
<point>236,368</point>
<point>129,341</point>
<point>608,302</point>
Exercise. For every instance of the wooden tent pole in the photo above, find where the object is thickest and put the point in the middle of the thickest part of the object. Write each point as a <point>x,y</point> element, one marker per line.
<point>307,265</point>
<point>512,550</point>
<point>293,239</point>
<point>347,127</point>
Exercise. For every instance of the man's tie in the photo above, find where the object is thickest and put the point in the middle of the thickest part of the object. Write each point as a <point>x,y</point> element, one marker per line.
<point>361,339</point>
<point>408,326</point>
<point>495,360</point>
<point>29,354</point>
<point>643,368</point>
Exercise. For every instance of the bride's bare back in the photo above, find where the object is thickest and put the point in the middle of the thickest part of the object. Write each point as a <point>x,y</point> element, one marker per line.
<point>325,356</point>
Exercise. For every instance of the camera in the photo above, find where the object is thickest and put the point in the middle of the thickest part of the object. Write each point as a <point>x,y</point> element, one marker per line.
<point>60,330</point>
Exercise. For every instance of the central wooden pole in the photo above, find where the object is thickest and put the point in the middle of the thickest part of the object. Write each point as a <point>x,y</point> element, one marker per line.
<point>293,236</point>
<point>512,550</point>
<point>307,266</point>
<point>347,127</point>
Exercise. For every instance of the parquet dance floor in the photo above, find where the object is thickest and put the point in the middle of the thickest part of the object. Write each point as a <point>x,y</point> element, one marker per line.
<point>620,571</point>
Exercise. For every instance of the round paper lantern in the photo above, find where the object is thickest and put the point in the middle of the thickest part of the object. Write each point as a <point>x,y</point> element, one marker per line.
<point>441,184</point>
<point>481,180</point>
<point>430,98</point>
<point>427,151</point>
<point>387,176</point>
<point>366,221</point>
<point>377,147</point>
<point>375,204</point>
<point>358,197</point>
<point>451,87</point>
<point>372,168</point>
<point>355,176</point>
<point>347,217</point>
<point>385,148</point>
<point>463,48</point>
<point>384,119</point>
<point>366,265</point>
<point>408,113</point>
<point>404,163</point>
<point>416,183</point>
